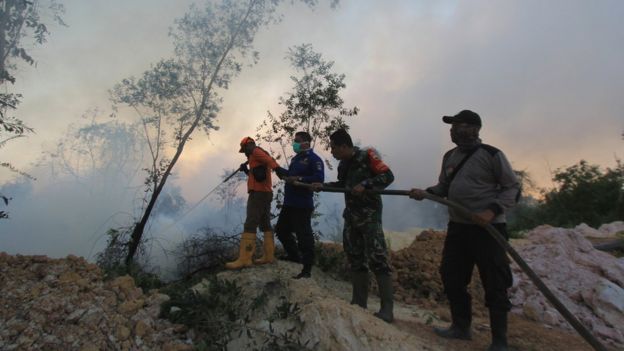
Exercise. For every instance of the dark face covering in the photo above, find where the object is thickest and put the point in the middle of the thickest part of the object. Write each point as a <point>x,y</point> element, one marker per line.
<point>465,136</point>
<point>249,147</point>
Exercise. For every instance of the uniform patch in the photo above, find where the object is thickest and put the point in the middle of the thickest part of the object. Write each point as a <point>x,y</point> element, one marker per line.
<point>376,164</point>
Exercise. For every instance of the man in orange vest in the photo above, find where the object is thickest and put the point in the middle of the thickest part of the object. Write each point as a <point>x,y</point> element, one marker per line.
<point>260,190</point>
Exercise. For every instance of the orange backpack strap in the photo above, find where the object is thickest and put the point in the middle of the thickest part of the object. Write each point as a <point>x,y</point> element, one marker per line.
<point>375,162</point>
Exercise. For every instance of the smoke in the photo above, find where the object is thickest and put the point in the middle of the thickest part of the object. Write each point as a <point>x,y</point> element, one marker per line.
<point>545,76</point>
<point>90,181</point>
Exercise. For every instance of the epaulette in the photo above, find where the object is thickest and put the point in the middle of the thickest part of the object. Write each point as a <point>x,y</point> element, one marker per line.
<point>490,149</point>
<point>375,162</point>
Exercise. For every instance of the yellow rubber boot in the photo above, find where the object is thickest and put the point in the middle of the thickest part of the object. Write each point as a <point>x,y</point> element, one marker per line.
<point>268,256</point>
<point>247,248</point>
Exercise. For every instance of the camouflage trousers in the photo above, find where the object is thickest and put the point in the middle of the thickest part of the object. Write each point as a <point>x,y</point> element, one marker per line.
<point>364,243</point>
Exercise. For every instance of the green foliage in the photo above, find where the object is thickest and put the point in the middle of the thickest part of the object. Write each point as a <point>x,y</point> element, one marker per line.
<point>220,313</point>
<point>19,20</point>
<point>5,199</point>
<point>206,251</point>
<point>314,105</point>
<point>285,309</point>
<point>583,194</point>
<point>111,261</point>
<point>213,314</point>
<point>111,258</point>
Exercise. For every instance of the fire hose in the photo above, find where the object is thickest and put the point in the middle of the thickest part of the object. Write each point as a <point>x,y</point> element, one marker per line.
<point>574,322</point>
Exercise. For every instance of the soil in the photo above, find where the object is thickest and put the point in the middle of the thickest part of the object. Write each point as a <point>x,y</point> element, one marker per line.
<point>421,305</point>
<point>420,302</point>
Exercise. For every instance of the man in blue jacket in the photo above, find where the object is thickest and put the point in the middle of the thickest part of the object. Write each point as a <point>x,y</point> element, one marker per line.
<point>296,213</point>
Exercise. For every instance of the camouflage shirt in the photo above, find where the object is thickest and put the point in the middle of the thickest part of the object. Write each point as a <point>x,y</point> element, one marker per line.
<point>366,168</point>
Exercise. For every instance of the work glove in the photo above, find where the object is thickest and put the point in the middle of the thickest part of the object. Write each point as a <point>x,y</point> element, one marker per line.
<point>243,168</point>
<point>281,172</point>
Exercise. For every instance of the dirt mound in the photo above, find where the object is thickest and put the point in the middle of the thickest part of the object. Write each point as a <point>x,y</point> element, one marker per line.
<point>312,313</point>
<point>320,316</point>
<point>417,278</point>
<point>416,268</point>
<point>63,304</point>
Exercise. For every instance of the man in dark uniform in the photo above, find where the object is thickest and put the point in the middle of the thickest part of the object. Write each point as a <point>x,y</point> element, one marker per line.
<point>478,177</point>
<point>296,213</point>
<point>363,237</point>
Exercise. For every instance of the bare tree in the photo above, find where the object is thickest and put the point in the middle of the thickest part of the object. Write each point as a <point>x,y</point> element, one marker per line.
<point>179,95</point>
<point>97,153</point>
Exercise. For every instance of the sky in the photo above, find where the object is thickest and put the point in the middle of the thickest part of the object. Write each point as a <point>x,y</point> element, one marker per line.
<point>545,76</point>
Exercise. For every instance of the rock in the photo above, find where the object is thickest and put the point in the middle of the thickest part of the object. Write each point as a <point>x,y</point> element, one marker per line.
<point>201,287</point>
<point>173,346</point>
<point>63,304</point>
<point>607,301</point>
<point>130,307</point>
<point>89,348</point>
<point>122,333</point>
<point>611,229</point>
<point>124,284</point>
<point>69,277</point>
<point>142,328</point>
<point>588,231</point>
<point>587,281</point>
<point>76,315</point>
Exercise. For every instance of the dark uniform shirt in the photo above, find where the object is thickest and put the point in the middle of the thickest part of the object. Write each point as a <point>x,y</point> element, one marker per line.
<point>309,167</point>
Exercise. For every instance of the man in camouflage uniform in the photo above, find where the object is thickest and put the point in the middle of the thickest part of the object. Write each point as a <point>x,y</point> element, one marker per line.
<point>363,237</point>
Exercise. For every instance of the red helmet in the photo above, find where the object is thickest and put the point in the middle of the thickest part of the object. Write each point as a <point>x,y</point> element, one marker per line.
<point>245,141</point>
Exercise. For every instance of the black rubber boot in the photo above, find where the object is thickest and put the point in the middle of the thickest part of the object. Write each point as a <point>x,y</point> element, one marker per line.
<point>498,326</point>
<point>306,272</point>
<point>461,316</point>
<point>386,292</point>
<point>460,325</point>
<point>454,332</point>
<point>359,281</point>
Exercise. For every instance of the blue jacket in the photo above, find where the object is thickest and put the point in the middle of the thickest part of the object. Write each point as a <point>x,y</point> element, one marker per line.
<point>310,168</point>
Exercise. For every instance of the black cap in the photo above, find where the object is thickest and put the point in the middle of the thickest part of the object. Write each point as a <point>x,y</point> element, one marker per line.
<point>465,116</point>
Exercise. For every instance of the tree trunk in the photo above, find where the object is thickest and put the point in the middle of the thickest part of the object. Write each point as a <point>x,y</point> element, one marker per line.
<point>3,45</point>
<point>137,233</point>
